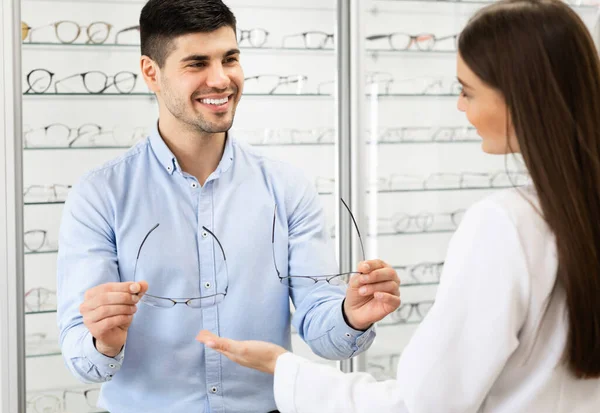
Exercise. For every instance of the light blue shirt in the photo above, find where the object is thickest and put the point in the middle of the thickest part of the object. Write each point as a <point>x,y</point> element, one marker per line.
<point>162,368</point>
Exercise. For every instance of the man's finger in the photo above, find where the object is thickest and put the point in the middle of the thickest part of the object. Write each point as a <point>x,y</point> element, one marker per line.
<point>215,342</point>
<point>116,287</point>
<point>109,299</point>
<point>389,300</point>
<point>380,275</point>
<point>389,287</point>
<point>371,265</point>
<point>112,322</point>
<point>107,311</point>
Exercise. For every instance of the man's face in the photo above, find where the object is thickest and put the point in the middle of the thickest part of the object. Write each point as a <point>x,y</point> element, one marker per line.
<point>201,81</point>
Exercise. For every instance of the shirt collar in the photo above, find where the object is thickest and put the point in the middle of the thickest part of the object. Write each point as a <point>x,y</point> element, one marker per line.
<point>169,162</point>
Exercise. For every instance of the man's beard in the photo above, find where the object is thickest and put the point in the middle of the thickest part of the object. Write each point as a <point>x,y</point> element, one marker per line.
<point>177,107</point>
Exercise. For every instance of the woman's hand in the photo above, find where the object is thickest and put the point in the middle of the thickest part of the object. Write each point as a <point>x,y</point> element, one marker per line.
<point>258,355</point>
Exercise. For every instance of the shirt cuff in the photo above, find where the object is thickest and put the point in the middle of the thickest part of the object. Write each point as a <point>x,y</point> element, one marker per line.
<point>106,366</point>
<point>348,338</point>
<point>284,383</point>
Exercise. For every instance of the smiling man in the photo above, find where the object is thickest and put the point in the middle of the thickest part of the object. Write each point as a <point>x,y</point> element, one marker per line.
<point>178,235</point>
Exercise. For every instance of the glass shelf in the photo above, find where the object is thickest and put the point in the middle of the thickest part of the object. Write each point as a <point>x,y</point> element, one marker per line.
<point>40,312</point>
<point>262,145</point>
<point>51,353</point>
<point>41,252</point>
<point>581,5</point>
<point>403,285</point>
<point>397,191</point>
<point>265,50</point>
<point>397,234</point>
<point>45,203</point>
<point>151,95</point>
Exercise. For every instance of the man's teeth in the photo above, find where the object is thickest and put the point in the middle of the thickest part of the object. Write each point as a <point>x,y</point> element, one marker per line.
<point>217,102</point>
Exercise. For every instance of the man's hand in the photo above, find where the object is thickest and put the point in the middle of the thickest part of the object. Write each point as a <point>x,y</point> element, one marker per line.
<point>107,312</point>
<point>371,295</point>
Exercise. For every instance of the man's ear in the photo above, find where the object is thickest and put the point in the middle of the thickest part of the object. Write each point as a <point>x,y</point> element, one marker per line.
<point>150,72</point>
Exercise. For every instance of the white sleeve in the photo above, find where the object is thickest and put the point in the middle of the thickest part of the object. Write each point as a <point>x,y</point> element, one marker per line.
<point>459,349</point>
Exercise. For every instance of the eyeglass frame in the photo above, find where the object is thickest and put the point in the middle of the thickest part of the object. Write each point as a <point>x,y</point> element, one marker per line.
<point>282,80</point>
<point>412,39</point>
<point>30,30</point>
<point>304,35</point>
<point>396,313</point>
<point>315,278</point>
<point>246,34</point>
<point>436,269</point>
<point>52,187</point>
<point>185,301</point>
<point>107,82</point>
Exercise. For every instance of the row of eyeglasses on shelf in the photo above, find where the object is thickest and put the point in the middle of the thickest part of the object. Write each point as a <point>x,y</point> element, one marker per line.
<point>59,135</point>
<point>57,193</point>
<point>42,81</point>
<point>62,401</point>
<point>99,32</point>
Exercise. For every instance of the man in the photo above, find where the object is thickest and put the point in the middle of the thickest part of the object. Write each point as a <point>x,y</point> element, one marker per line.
<point>190,211</point>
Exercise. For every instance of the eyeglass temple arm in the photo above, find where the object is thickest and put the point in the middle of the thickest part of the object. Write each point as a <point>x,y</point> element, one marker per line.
<point>126,29</point>
<point>362,247</point>
<point>273,241</point>
<point>218,242</point>
<point>63,79</point>
<point>140,249</point>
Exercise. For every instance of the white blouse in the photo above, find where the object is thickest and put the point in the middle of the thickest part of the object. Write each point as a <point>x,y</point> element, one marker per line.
<point>492,342</point>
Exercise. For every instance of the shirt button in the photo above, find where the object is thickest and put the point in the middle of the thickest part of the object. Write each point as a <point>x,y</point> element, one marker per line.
<point>204,234</point>
<point>169,168</point>
<point>206,285</point>
<point>112,366</point>
<point>214,390</point>
<point>348,335</point>
<point>194,185</point>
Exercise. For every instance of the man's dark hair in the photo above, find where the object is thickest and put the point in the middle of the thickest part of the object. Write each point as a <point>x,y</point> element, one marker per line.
<point>161,21</point>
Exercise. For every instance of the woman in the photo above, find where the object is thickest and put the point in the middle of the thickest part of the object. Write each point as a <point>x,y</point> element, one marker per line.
<point>516,323</point>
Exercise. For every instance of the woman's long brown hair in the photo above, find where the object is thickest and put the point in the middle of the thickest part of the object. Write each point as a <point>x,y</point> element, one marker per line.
<point>541,57</point>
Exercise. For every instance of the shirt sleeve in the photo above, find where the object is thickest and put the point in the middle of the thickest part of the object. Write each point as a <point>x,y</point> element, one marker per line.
<point>459,349</point>
<point>87,257</point>
<point>318,317</point>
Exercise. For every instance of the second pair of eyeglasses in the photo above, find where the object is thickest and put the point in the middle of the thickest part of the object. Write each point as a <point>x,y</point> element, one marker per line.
<point>290,281</point>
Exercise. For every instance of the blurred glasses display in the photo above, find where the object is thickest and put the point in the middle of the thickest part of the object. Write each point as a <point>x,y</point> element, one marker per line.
<point>68,32</point>
<point>269,84</point>
<point>422,222</point>
<point>59,135</point>
<point>308,40</point>
<point>40,299</point>
<point>46,193</point>
<point>36,240</point>
<point>256,37</point>
<point>421,273</point>
<point>422,42</point>
<point>94,82</point>
<point>408,313</point>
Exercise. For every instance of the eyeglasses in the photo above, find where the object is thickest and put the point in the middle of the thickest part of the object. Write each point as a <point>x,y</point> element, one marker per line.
<point>303,281</point>
<point>95,82</point>
<point>404,41</point>
<point>90,395</point>
<point>383,81</point>
<point>40,299</point>
<point>195,302</point>
<point>46,193</point>
<point>383,367</point>
<point>422,273</point>
<point>445,180</point>
<point>88,134</point>
<point>135,28</point>
<point>44,403</point>
<point>404,313</point>
<point>310,39</point>
<point>36,239</point>
<point>427,85</point>
<point>266,137</point>
<point>255,37</point>
<point>67,31</point>
<point>269,84</point>
<point>426,134</point>
<point>423,222</point>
